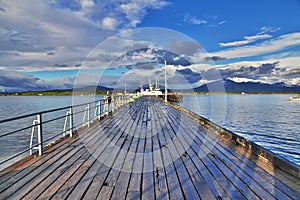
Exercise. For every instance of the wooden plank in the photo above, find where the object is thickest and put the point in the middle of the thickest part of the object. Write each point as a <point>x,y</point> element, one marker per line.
<point>105,193</point>
<point>257,164</point>
<point>207,190</point>
<point>239,184</point>
<point>245,174</point>
<point>126,170</point>
<point>160,182</point>
<point>214,172</point>
<point>148,177</point>
<point>272,184</point>
<point>165,146</point>
<point>23,179</point>
<point>18,167</point>
<point>110,153</point>
<point>58,183</point>
<point>136,177</point>
<point>10,180</point>
<point>174,187</point>
<point>43,187</point>
<point>90,164</point>
<point>51,152</point>
<point>176,152</point>
<point>133,195</point>
<point>203,188</point>
<point>242,174</point>
<point>97,181</point>
<point>52,164</point>
<point>119,158</point>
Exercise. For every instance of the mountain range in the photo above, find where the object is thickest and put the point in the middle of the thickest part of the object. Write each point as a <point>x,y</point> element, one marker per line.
<point>248,87</point>
<point>216,86</point>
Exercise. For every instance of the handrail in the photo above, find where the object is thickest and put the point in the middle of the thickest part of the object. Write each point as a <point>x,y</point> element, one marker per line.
<point>102,107</point>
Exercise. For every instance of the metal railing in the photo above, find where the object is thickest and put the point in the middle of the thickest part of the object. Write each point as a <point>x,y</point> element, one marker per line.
<point>64,116</point>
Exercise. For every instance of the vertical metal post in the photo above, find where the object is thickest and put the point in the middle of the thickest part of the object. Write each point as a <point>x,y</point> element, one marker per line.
<point>102,109</point>
<point>34,123</point>
<point>99,111</point>
<point>88,114</point>
<point>112,104</point>
<point>166,87</point>
<point>40,133</point>
<point>106,106</point>
<point>71,121</point>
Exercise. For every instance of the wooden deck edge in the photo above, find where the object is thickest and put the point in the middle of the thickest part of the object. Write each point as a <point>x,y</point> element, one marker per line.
<point>276,162</point>
<point>53,144</point>
<point>31,158</point>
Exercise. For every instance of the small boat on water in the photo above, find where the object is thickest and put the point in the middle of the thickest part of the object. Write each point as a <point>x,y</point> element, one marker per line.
<point>154,90</point>
<point>295,98</point>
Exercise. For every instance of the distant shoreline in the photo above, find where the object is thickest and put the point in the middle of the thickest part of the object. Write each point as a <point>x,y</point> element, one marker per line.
<point>86,93</point>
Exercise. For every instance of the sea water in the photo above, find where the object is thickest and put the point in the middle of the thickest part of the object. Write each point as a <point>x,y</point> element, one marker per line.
<point>271,121</point>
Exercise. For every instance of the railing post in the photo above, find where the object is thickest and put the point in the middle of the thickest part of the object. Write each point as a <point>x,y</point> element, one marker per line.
<point>97,111</point>
<point>106,106</point>
<point>34,123</point>
<point>40,133</point>
<point>71,121</point>
<point>112,104</point>
<point>88,114</point>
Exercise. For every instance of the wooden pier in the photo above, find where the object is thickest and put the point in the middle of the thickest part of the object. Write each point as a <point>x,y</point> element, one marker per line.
<point>147,150</point>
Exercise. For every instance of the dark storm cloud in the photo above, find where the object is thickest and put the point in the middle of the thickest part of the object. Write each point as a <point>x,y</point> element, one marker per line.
<point>19,80</point>
<point>172,59</point>
<point>60,65</point>
<point>211,74</point>
<point>129,67</point>
<point>190,76</point>
<point>137,48</point>
<point>250,72</point>
<point>50,53</point>
<point>214,58</point>
<point>146,66</point>
<point>182,47</point>
<point>290,73</point>
<point>2,9</point>
<point>268,68</point>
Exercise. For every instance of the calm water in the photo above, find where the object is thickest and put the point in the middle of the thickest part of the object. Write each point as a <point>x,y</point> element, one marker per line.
<point>271,121</point>
<point>13,106</point>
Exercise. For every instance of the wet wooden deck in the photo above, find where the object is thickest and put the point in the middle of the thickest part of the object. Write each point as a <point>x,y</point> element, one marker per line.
<point>146,150</point>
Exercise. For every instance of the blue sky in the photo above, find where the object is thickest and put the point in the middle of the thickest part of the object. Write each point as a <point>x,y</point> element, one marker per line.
<point>49,44</point>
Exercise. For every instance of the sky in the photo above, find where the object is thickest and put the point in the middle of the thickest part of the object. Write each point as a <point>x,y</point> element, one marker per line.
<point>62,44</point>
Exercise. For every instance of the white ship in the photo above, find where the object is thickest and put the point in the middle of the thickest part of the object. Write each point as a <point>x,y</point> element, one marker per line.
<point>152,91</point>
<point>295,98</point>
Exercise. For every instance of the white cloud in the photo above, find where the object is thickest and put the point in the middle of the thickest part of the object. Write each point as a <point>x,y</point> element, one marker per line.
<point>109,23</point>
<point>277,44</point>
<point>244,80</point>
<point>293,81</point>
<point>134,11</point>
<point>222,22</point>
<point>247,40</point>
<point>87,4</point>
<point>194,20</point>
<point>30,30</point>
<point>269,29</point>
